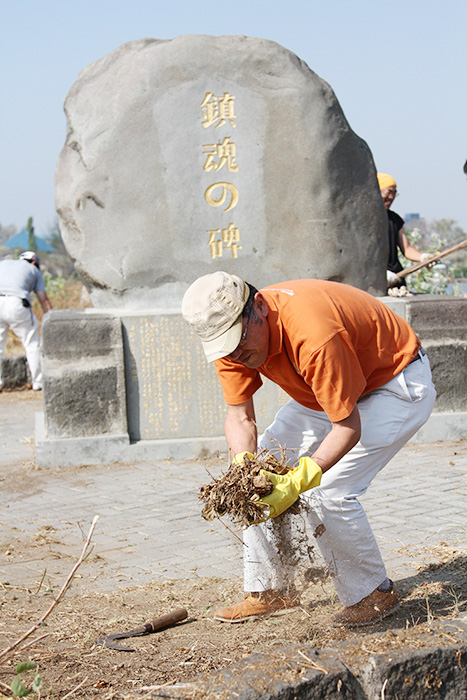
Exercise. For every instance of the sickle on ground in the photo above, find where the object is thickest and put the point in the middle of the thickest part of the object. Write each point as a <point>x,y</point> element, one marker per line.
<point>159,623</point>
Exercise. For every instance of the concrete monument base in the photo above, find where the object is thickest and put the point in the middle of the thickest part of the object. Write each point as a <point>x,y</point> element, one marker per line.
<point>71,452</point>
<point>129,386</point>
<point>123,386</point>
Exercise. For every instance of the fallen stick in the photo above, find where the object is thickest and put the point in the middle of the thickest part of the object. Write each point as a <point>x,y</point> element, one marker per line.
<point>75,689</point>
<point>313,664</point>
<point>6,687</point>
<point>7,653</point>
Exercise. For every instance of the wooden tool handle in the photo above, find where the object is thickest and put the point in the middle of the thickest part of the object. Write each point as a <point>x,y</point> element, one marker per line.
<point>433,259</point>
<point>166,620</point>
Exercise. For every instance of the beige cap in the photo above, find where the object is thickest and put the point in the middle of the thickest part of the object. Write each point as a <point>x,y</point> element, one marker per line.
<point>213,307</point>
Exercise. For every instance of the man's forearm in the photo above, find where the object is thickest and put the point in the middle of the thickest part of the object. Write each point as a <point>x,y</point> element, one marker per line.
<point>44,301</point>
<point>240,431</point>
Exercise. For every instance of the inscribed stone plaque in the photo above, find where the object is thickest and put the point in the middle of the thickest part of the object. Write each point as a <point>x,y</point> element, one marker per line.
<point>171,391</point>
<point>203,153</point>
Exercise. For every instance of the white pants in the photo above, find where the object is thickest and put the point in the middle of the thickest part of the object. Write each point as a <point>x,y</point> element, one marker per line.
<point>24,324</point>
<point>389,416</point>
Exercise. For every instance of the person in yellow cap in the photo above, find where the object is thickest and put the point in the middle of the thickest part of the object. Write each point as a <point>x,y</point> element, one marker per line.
<point>397,236</point>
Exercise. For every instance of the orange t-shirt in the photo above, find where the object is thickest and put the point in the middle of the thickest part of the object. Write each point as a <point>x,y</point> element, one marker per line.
<point>329,344</point>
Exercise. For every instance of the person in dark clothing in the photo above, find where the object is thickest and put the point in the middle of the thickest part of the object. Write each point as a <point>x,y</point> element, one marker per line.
<point>397,236</point>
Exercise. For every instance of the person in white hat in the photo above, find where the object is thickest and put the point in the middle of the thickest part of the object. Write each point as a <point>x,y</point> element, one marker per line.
<point>18,278</point>
<point>360,387</point>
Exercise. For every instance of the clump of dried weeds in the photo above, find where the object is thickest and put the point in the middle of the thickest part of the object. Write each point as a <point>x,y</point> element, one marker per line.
<point>237,492</point>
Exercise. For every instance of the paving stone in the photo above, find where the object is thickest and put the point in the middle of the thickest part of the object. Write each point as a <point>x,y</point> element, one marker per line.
<point>149,517</point>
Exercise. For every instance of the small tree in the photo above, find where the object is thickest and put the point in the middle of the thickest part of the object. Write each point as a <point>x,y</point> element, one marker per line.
<point>31,235</point>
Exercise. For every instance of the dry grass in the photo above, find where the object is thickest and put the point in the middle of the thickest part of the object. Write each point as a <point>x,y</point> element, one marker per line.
<point>69,658</point>
<point>237,492</point>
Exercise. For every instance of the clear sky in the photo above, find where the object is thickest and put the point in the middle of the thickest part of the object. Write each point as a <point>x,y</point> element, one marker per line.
<point>399,70</point>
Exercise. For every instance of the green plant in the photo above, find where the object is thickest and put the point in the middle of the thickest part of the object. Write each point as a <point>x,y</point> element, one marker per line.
<point>431,237</point>
<point>428,280</point>
<point>25,682</point>
<point>54,284</point>
<point>457,604</point>
<point>425,593</point>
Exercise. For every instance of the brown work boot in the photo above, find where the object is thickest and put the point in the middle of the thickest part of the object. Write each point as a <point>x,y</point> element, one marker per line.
<point>374,607</point>
<point>255,604</point>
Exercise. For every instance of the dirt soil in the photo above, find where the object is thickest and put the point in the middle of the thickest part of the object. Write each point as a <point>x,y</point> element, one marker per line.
<point>73,665</point>
<point>70,661</point>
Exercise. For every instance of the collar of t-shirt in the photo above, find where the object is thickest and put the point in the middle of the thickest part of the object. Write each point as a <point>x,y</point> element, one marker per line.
<point>276,331</point>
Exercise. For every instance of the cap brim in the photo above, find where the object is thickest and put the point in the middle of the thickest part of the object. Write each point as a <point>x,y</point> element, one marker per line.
<point>225,344</point>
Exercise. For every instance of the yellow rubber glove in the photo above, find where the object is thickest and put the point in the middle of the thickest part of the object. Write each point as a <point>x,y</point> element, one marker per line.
<point>239,457</point>
<point>288,487</point>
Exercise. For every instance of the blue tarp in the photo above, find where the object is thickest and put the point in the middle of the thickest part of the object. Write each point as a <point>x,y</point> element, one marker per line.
<point>20,240</point>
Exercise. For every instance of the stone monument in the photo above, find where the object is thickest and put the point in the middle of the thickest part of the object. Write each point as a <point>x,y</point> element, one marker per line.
<point>201,153</point>
<point>183,157</point>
